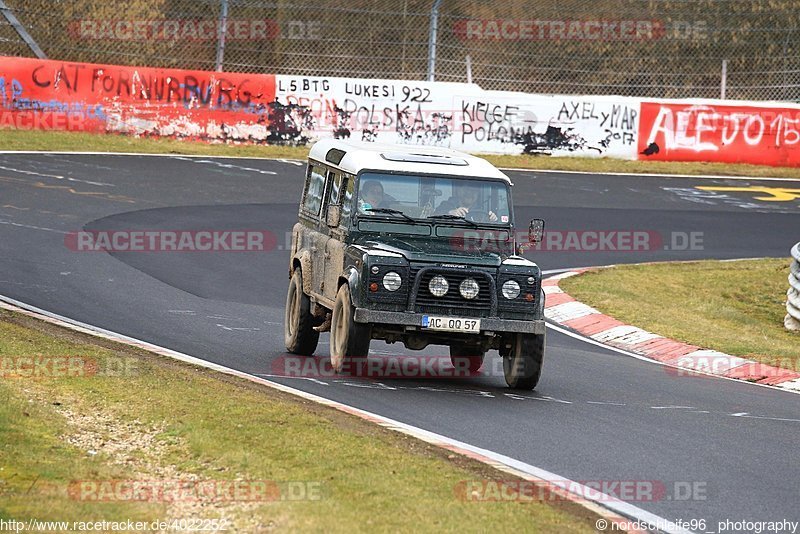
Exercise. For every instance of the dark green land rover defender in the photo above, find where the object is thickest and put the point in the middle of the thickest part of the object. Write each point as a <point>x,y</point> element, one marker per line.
<point>417,245</point>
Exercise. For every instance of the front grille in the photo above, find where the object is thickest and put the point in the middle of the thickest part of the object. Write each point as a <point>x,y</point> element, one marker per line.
<point>453,302</point>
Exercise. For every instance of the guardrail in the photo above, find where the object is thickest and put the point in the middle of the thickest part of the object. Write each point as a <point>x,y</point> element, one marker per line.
<point>792,321</point>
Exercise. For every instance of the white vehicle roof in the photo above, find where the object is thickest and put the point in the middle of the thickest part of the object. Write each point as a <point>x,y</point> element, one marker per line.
<point>411,159</point>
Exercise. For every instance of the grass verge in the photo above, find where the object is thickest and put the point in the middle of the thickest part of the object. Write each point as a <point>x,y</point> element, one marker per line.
<point>73,444</point>
<point>733,307</point>
<point>77,141</point>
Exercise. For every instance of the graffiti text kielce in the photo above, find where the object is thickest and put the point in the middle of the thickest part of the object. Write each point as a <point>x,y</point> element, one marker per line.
<point>579,30</point>
<point>721,133</point>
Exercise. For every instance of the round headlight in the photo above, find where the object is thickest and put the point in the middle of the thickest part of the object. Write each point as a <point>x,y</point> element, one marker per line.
<point>438,286</point>
<point>511,290</point>
<point>531,280</point>
<point>468,288</point>
<point>375,269</point>
<point>392,281</point>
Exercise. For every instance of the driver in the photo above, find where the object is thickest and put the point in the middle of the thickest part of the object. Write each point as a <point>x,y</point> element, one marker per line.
<point>371,195</point>
<point>465,198</point>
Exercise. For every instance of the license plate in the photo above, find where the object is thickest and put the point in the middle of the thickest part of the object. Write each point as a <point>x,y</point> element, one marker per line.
<point>451,324</point>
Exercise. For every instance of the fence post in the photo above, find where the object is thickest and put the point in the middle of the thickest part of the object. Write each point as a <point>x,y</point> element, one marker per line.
<point>21,31</point>
<point>432,40</point>
<point>723,83</point>
<point>469,69</point>
<point>792,320</point>
<point>223,23</point>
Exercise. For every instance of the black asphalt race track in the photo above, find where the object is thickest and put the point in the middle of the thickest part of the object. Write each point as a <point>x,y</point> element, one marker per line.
<point>596,416</point>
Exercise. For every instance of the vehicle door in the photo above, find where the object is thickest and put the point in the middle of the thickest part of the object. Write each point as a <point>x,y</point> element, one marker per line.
<point>314,231</point>
<point>340,198</point>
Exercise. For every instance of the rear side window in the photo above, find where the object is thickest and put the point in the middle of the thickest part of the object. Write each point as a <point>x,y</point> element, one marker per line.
<point>346,200</point>
<point>315,187</point>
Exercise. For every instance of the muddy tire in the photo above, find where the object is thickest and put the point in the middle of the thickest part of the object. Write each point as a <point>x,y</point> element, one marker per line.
<point>522,367</point>
<point>349,340</point>
<point>298,323</point>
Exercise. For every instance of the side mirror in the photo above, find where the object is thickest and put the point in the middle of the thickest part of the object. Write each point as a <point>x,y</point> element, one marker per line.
<point>535,235</point>
<point>334,216</point>
<point>536,231</point>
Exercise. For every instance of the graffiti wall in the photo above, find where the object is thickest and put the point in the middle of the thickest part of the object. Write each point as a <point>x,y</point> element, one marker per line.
<point>694,131</point>
<point>389,111</point>
<point>518,123</point>
<point>459,116</point>
<point>144,101</point>
<point>297,110</point>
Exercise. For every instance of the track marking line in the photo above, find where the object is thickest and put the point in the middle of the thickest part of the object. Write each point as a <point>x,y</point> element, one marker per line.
<point>655,175</point>
<point>32,227</point>
<point>301,162</point>
<point>56,176</point>
<point>606,506</point>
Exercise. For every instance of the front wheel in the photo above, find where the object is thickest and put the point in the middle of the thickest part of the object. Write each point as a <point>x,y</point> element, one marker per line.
<point>349,339</point>
<point>465,357</point>
<point>298,324</point>
<point>522,366</point>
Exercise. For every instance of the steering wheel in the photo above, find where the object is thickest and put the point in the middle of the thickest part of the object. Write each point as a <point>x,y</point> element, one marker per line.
<point>478,216</point>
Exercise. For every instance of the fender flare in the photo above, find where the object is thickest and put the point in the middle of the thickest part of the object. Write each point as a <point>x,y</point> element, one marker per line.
<point>352,277</point>
<point>306,269</point>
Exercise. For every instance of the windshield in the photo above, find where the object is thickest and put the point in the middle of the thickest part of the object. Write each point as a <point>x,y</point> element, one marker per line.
<point>434,198</point>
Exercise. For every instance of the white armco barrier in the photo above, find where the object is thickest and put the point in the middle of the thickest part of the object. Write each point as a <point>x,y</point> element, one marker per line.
<point>460,116</point>
<point>792,320</point>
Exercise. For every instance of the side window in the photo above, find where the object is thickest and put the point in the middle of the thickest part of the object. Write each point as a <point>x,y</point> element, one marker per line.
<point>348,189</point>
<point>335,184</point>
<point>315,186</point>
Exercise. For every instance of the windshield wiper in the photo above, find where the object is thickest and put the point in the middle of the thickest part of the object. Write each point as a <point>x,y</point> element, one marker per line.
<point>453,217</point>
<point>391,212</point>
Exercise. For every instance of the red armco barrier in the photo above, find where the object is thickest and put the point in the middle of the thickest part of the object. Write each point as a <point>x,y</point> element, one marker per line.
<point>720,133</point>
<point>60,95</point>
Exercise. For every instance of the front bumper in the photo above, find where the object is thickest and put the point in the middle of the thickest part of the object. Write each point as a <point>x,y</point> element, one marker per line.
<point>488,324</point>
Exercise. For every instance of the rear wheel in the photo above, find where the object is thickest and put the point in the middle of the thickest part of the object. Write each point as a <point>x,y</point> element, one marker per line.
<point>298,323</point>
<point>349,339</point>
<point>466,357</point>
<point>522,366</point>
